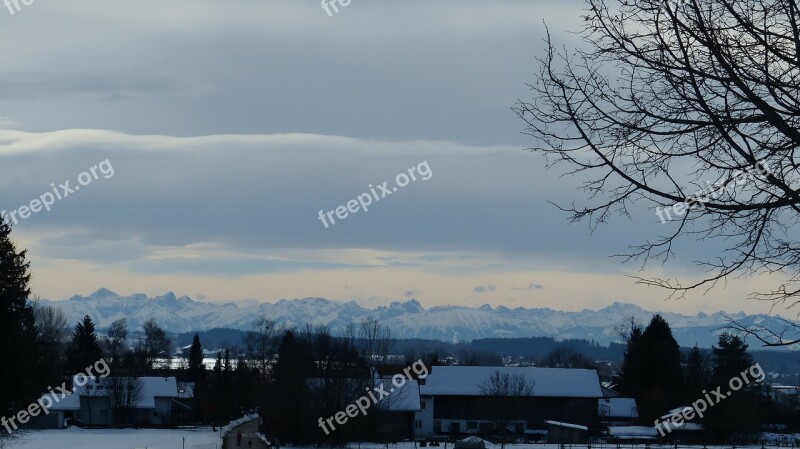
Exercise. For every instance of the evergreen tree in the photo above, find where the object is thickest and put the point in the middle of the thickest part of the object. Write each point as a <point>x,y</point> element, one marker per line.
<point>651,369</point>
<point>84,349</point>
<point>287,414</point>
<point>663,358</point>
<point>632,371</point>
<point>196,367</point>
<point>742,411</point>
<point>18,336</point>
<point>730,358</point>
<point>697,373</point>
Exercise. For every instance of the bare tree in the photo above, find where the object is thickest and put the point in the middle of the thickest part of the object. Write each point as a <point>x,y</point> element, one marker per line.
<point>507,393</point>
<point>262,344</point>
<point>123,394</point>
<point>53,331</point>
<point>157,344</point>
<point>688,105</point>
<point>626,329</point>
<point>117,341</point>
<point>376,340</point>
<point>51,324</point>
<point>787,335</point>
<point>567,358</point>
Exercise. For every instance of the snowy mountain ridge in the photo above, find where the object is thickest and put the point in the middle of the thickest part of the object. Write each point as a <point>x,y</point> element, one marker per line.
<point>407,319</point>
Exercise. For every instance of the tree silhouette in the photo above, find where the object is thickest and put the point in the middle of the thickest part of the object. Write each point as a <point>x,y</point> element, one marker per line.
<point>689,103</point>
<point>18,337</point>
<point>84,349</point>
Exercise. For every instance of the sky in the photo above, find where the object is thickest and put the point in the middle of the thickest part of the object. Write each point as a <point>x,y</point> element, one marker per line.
<point>201,139</point>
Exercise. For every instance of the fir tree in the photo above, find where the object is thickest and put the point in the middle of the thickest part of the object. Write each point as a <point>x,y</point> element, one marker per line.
<point>18,337</point>
<point>85,348</point>
<point>196,367</point>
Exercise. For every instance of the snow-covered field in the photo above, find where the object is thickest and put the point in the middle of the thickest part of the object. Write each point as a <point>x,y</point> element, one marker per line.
<point>75,438</point>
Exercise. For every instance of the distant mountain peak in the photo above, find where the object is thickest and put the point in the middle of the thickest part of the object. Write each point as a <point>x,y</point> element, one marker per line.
<point>103,293</point>
<point>169,297</point>
<point>410,306</point>
<point>406,319</point>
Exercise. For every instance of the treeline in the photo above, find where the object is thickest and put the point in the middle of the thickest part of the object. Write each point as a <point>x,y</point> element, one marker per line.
<point>295,378</point>
<point>727,382</point>
<point>537,347</point>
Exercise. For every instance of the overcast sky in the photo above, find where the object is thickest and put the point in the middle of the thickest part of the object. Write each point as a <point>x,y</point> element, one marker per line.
<point>229,125</point>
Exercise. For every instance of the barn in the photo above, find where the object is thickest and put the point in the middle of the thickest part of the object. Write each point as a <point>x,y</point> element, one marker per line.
<point>454,403</point>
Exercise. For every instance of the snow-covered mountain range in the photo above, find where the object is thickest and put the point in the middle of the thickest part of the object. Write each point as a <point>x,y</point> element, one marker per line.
<point>406,319</point>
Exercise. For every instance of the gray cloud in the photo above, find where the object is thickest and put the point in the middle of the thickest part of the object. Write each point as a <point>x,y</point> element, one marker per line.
<point>484,289</point>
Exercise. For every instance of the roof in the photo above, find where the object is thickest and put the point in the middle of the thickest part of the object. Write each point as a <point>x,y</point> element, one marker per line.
<point>632,431</point>
<point>70,402</point>
<point>567,425</point>
<point>617,408</point>
<point>675,412</point>
<point>401,399</point>
<point>547,382</point>
<point>152,388</point>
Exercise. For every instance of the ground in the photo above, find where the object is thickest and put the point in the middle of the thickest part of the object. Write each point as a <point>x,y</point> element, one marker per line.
<point>205,438</point>
<point>75,438</point>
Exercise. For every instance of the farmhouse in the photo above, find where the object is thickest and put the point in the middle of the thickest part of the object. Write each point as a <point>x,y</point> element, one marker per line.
<point>160,403</point>
<point>453,402</point>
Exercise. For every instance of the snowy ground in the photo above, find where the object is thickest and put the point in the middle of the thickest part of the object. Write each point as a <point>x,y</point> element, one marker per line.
<point>775,444</point>
<point>75,438</point>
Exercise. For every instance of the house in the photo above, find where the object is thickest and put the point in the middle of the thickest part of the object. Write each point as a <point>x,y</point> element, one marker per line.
<point>159,403</point>
<point>784,395</point>
<point>453,402</point>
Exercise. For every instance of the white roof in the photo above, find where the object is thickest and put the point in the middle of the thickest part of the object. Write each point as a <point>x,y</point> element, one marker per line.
<point>402,399</point>
<point>567,425</point>
<point>70,402</point>
<point>617,408</point>
<point>152,387</point>
<point>547,382</point>
<point>675,411</point>
<point>632,431</point>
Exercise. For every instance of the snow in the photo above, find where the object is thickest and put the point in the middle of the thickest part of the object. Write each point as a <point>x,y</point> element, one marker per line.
<point>567,425</point>
<point>547,382</point>
<point>205,438</point>
<point>401,399</point>
<point>152,387</point>
<point>76,438</point>
<point>236,423</point>
<point>632,431</point>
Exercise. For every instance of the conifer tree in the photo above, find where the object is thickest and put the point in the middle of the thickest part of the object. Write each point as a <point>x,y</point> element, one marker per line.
<point>85,348</point>
<point>18,337</point>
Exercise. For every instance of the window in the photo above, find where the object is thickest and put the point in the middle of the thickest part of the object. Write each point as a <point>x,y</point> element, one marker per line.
<point>472,425</point>
<point>89,387</point>
<point>418,424</point>
<point>422,403</point>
